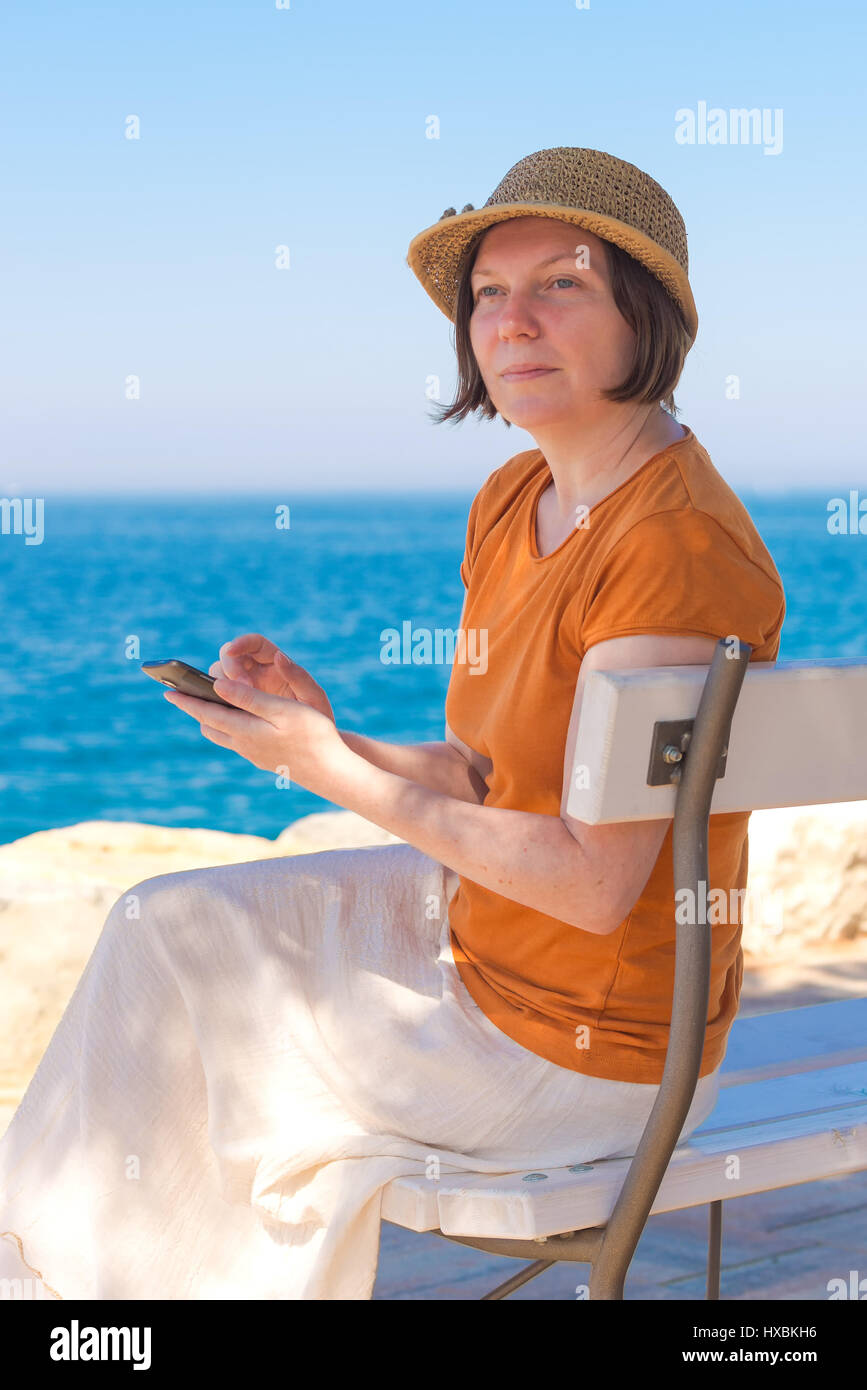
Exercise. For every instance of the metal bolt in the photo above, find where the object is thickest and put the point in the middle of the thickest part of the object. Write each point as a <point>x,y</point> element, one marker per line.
<point>670,754</point>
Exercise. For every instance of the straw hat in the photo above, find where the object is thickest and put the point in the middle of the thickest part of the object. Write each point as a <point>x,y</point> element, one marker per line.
<point>611,198</point>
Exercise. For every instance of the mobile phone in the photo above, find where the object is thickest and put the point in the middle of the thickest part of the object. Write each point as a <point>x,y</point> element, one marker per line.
<point>189,680</point>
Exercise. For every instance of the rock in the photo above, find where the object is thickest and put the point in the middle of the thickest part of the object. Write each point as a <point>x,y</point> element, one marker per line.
<point>95,861</point>
<point>807,879</point>
<point>331,830</point>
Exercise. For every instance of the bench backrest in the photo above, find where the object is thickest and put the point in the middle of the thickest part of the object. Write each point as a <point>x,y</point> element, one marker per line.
<point>798,738</point>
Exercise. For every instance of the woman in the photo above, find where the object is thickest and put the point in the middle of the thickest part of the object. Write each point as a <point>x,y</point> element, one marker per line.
<point>254,1051</point>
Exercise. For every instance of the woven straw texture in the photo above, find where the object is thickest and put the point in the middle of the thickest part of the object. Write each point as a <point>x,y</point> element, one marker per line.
<point>608,196</point>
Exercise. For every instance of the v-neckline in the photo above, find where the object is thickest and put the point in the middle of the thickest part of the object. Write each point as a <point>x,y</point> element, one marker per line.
<point>545,478</point>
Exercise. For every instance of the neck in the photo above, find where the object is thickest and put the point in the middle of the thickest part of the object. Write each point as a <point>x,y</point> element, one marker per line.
<point>589,463</point>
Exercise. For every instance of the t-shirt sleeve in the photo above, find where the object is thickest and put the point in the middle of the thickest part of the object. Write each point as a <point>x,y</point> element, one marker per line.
<point>474,538</point>
<point>682,572</point>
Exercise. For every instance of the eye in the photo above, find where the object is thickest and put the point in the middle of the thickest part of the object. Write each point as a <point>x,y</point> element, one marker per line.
<point>560,279</point>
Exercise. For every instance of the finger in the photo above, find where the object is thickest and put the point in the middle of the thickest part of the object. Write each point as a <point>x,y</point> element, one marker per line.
<point>228,720</point>
<point>217,736</point>
<point>287,668</point>
<point>242,654</point>
<point>252,700</point>
<point>302,684</point>
<point>253,645</point>
<point>230,662</point>
<point>244,674</point>
<point>300,679</point>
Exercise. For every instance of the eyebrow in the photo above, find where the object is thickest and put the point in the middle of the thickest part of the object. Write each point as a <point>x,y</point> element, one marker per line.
<point>550,260</point>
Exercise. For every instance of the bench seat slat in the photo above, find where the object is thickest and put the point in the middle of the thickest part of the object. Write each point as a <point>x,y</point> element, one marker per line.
<point>693,1178</point>
<point>488,1206</point>
<point>785,1130</point>
<point>793,1040</point>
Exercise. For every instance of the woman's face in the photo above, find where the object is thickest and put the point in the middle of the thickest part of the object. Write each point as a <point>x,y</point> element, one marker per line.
<point>541,294</point>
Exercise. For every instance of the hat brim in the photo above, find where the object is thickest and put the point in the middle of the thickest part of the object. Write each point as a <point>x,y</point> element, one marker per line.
<point>435,255</point>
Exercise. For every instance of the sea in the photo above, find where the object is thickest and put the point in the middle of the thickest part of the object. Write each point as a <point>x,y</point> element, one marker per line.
<point>118,580</point>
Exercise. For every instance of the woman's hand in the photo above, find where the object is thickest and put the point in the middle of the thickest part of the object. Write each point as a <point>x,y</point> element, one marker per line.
<point>257,662</point>
<point>274,732</point>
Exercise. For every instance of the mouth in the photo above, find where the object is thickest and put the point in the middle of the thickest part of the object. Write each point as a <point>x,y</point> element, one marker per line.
<point>525,373</point>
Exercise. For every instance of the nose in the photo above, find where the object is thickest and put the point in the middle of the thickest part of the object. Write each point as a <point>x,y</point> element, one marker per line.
<point>517,319</point>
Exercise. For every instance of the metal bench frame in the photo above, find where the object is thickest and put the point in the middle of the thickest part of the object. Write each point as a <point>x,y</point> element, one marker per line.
<point>610,1248</point>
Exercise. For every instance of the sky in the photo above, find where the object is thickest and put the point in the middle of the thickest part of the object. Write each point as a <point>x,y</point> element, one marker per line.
<point>306,125</point>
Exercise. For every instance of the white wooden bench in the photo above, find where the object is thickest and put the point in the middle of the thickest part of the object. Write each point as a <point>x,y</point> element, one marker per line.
<point>793,1100</point>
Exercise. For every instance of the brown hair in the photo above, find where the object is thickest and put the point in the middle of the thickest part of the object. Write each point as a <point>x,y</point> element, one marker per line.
<point>661,339</point>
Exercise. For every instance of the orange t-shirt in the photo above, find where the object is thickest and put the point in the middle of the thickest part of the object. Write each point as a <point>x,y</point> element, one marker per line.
<point>671,550</point>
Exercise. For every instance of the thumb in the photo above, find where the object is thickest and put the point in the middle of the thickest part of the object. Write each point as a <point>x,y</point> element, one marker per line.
<point>286,666</point>
<point>249,698</point>
<point>304,687</point>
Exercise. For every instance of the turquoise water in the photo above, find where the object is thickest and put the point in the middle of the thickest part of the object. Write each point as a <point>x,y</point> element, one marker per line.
<point>86,736</point>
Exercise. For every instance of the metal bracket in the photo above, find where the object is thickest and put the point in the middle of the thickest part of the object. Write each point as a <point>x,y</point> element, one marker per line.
<point>668,748</point>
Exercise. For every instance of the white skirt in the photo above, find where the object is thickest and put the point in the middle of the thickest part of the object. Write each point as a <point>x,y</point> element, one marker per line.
<point>252,1052</point>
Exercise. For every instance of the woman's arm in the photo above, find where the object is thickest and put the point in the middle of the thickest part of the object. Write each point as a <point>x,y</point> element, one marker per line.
<point>588,875</point>
<point>439,766</point>
<point>529,858</point>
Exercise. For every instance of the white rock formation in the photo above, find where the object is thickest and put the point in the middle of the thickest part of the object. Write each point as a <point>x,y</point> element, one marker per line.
<point>807,878</point>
